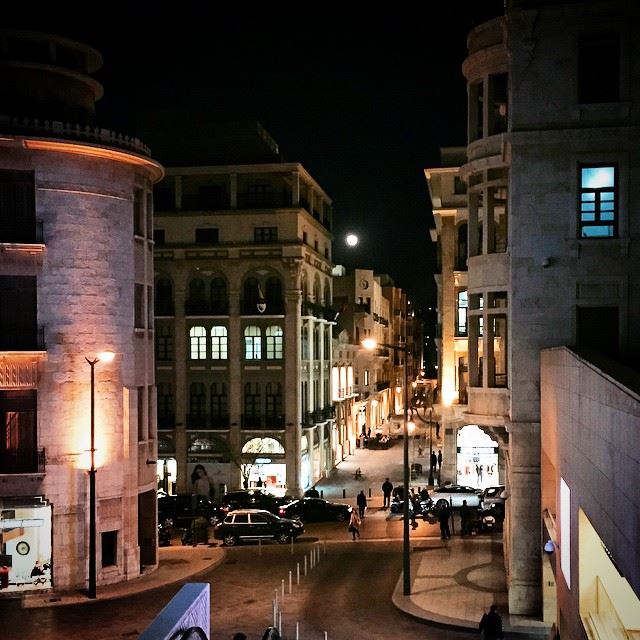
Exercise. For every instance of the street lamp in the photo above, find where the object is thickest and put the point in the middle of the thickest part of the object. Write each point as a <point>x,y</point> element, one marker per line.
<point>370,344</point>
<point>105,356</point>
<point>431,447</point>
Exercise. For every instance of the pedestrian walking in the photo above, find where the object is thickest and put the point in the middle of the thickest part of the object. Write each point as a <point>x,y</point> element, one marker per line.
<point>354,524</point>
<point>387,488</point>
<point>443,519</point>
<point>465,518</point>
<point>439,459</point>
<point>433,460</point>
<point>491,624</point>
<point>362,503</point>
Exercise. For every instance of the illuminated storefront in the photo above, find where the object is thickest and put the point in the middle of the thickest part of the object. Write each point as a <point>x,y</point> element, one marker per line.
<point>477,458</point>
<point>264,465</point>
<point>25,545</point>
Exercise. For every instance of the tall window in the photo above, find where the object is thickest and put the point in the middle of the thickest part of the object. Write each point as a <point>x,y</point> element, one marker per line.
<point>461,249</point>
<point>219,299</point>
<point>273,401</point>
<point>196,294</point>
<point>219,346</point>
<point>142,426</point>
<point>197,404</point>
<point>250,296</point>
<point>252,343</point>
<point>252,400</point>
<point>304,342</point>
<point>165,405</point>
<point>599,67</point>
<point>164,343</point>
<point>17,207</point>
<point>207,236</point>
<point>274,343</point>
<point>164,297</point>
<point>366,377</point>
<point>139,306</point>
<point>219,405</point>
<point>598,201</point>
<point>461,317</point>
<point>273,295</point>
<point>198,343</point>
<point>18,436</point>
<point>138,212</point>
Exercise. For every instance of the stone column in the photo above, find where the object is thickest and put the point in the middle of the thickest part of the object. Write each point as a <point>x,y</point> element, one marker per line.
<point>524,543</point>
<point>295,190</point>
<point>292,378</point>
<point>181,387</point>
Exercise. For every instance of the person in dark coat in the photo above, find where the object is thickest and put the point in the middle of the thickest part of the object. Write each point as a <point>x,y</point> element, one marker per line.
<point>439,459</point>
<point>491,624</point>
<point>465,518</point>
<point>434,461</point>
<point>387,488</point>
<point>443,518</point>
<point>362,503</point>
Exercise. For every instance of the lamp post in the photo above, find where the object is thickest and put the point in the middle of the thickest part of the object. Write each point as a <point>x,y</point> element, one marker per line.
<point>430,446</point>
<point>371,344</point>
<point>105,356</point>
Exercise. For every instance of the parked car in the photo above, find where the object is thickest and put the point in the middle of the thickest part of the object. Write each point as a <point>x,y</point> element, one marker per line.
<point>315,510</point>
<point>452,495</point>
<point>252,499</point>
<point>179,511</point>
<point>256,524</point>
<point>493,495</point>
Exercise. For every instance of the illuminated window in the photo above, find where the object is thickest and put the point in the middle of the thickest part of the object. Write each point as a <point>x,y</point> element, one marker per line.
<point>219,343</point>
<point>598,200</point>
<point>366,377</point>
<point>274,343</point>
<point>252,343</point>
<point>463,305</point>
<point>198,343</point>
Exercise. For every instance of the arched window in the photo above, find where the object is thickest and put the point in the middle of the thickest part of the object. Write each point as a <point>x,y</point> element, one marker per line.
<point>263,445</point>
<point>196,295</point>
<point>250,296</point>
<point>198,343</point>
<point>317,342</point>
<point>316,291</point>
<point>197,405</point>
<point>327,293</point>
<point>164,297</point>
<point>219,406</point>
<point>252,343</point>
<point>274,342</point>
<point>219,343</point>
<point>219,298</point>
<point>273,295</point>
<point>273,405</point>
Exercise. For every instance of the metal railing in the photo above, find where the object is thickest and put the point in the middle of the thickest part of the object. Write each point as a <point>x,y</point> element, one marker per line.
<point>30,461</point>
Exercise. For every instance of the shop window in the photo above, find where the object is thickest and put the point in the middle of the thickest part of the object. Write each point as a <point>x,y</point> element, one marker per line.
<point>274,336</point>
<point>598,201</point>
<point>198,343</point>
<point>252,343</point>
<point>219,343</point>
<point>109,548</point>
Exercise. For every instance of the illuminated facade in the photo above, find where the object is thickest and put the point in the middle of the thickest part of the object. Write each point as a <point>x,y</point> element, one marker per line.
<point>244,327</point>
<point>76,278</point>
<point>550,182</point>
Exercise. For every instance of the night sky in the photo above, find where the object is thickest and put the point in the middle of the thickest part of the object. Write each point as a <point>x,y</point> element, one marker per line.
<point>362,99</point>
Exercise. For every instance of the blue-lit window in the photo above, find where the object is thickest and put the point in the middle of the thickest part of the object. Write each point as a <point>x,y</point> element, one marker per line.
<point>598,201</point>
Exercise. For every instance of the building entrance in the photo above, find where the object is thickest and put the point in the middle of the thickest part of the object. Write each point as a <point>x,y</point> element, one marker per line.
<point>477,458</point>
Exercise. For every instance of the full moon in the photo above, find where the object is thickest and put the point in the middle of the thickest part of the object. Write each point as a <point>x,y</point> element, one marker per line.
<point>351,240</point>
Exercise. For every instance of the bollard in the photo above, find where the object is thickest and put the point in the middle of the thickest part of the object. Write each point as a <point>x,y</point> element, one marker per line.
<point>297,631</point>
<point>369,491</point>
<point>290,582</point>
<point>325,635</point>
<point>344,493</point>
<point>305,565</point>
<point>322,493</point>
<point>311,559</point>
<point>283,589</point>
<point>297,573</point>
<point>291,545</point>
<point>273,603</point>
<point>280,622</point>
<point>325,546</point>
<point>275,597</point>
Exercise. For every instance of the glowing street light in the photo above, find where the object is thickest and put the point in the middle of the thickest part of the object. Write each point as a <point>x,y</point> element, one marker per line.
<point>105,356</point>
<point>351,239</point>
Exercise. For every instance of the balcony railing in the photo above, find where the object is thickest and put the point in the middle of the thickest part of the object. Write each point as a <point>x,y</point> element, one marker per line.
<point>22,339</point>
<point>265,201</point>
<point>273,308</point>
<point>29,461</point>
<point>205,308</point>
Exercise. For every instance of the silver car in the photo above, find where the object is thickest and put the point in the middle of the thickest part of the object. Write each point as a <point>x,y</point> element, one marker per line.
<point>452,495</point>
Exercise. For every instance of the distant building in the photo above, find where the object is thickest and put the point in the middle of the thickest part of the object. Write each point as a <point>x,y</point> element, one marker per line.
<point>76,278</point>
<point>551,190</point>
<point>244,322</point>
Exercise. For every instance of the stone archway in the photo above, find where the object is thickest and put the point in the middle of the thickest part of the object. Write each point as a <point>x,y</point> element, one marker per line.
<point>477,459</point>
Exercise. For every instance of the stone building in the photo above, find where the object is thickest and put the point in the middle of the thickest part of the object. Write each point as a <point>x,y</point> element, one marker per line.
<point>550,171</point>
<point>76,279</point>
<point>243,327</point>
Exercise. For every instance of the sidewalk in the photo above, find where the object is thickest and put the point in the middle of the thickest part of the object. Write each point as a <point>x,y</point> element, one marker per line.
<point>176,563</point>
<point>452,583</point>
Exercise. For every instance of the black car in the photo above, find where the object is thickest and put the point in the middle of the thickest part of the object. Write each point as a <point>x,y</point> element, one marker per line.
<point>179,511</point>
<point>251,499</point>
<point>256,524</point>
<point>315,510</point>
